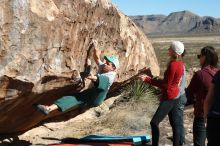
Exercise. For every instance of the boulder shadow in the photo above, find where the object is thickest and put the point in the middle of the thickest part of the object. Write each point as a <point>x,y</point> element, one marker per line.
<point>13,141</point>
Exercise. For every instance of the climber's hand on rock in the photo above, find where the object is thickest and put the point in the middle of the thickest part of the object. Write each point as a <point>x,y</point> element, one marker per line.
<point>88,62</point>
<point>95,43</point>
<point>143,77</point>
<point>92,77</point>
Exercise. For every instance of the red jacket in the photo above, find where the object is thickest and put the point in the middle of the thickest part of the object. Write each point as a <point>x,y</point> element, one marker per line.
<point>169,84</point>
<point>198,88</point>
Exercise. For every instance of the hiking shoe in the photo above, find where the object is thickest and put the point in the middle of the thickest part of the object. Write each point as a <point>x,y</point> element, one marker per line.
<point>43,109</point>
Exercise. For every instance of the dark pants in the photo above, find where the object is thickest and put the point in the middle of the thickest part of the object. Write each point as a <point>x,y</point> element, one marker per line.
<point>87,97</point>
<point>166,107</point>
<point>213,131</point>
<point>199,131</point>
<point>180,110</point>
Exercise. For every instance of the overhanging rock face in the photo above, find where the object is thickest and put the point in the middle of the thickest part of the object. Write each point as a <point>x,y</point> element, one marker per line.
<point>41,42</point>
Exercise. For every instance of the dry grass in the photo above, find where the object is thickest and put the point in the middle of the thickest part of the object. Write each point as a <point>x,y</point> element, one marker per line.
<point>130,118</point>
<point>132,113</point>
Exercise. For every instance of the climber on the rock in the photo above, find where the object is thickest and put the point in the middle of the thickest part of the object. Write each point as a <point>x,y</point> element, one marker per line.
<point>92,96</point>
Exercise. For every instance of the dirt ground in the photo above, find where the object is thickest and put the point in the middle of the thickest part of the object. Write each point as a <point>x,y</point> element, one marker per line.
<point>117,116</point>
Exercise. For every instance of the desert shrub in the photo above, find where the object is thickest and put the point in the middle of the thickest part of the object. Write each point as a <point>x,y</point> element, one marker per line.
<point>138,90</point>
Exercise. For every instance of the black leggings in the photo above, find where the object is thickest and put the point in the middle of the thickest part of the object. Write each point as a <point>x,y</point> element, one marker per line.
<point>166,107</point>
<point>213,131</point>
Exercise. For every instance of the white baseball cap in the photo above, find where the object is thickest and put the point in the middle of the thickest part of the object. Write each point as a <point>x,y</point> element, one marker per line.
<point>177,47</point>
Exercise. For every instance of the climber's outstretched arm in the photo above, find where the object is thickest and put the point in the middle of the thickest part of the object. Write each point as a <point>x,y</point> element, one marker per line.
<point>96,53</point>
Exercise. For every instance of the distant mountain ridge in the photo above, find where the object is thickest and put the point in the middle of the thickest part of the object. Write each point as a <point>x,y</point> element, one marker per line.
<point>177,22</point>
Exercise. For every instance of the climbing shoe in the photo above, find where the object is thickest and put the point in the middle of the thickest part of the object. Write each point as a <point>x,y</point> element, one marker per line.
<point>43,109</point>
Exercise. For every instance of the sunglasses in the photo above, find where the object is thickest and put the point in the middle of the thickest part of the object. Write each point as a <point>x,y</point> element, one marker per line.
<point>199,56</point>
<point>205,51</point>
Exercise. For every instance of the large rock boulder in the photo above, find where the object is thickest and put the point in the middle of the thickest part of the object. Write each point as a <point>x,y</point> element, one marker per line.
<point>41,42</point>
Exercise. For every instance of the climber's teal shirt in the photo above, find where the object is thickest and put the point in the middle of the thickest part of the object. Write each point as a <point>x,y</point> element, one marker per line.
<point>111,75</point>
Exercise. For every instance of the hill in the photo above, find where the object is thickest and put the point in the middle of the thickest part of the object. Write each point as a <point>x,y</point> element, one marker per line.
<point>177,23</point>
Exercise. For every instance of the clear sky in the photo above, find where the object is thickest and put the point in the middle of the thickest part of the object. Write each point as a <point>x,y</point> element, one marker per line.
<point>148,7</point>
